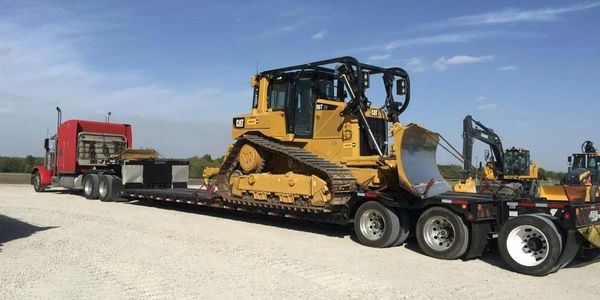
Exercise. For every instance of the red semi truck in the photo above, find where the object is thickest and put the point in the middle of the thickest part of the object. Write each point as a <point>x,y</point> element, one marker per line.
<point>97,157</point>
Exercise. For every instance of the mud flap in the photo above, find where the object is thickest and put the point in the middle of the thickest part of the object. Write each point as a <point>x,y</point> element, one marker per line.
<point>415,148</point>
<point>479,239</point>
<point>571,248</point>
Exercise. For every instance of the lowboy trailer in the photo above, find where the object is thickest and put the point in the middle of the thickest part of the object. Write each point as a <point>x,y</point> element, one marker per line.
<point>447,226</point>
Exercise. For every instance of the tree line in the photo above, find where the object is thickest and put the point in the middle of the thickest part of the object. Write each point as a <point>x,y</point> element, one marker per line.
<point>199,163</point>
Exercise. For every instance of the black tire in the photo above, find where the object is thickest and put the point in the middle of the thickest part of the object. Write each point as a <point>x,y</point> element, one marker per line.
<point>36,181</point>
<point>589,254</point>
<point>404,231</point>
<point>109,188</point>
<point>90,186</point>
<point>530,244</point>
<point>442,234</point>
<point>376,225</point>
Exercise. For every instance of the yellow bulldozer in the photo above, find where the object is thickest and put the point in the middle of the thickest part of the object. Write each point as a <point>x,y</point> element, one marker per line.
<point>302,144</point>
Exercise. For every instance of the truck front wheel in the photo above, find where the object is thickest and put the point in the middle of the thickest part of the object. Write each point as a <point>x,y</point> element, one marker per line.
<point>36,180</point>
<point>376,225</point>
<point>530,244</point>
<point>442,234</point>
<point>90,186</point>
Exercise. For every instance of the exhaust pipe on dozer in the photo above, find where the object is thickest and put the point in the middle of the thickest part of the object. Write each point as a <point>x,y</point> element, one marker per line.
<point>415,149</point>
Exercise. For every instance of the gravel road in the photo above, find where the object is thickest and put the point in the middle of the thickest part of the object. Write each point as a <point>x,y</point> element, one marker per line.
<point>58,245</point>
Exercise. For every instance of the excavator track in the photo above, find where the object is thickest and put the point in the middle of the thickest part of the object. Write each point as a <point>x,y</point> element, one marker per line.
<point>339,179</point>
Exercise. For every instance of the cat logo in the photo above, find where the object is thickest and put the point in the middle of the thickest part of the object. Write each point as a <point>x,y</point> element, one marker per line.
<point>238,122</point>
<point>374,112</point>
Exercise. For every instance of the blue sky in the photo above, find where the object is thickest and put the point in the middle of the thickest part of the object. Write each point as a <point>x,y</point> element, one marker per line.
<point>179,70</point>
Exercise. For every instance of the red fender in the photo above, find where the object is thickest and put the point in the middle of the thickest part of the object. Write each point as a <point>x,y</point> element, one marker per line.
<point>45,174</point>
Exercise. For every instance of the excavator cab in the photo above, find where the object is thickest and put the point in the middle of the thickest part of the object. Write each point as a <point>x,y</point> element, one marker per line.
<point>517,162</point>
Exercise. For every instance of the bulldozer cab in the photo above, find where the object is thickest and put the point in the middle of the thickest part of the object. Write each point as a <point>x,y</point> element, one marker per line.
<point>295,94</point>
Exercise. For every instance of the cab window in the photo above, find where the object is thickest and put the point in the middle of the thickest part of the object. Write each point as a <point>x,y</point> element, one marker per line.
<point>278,95</point>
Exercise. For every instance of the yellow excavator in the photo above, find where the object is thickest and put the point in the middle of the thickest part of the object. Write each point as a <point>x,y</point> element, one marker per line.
<point>507,171</point>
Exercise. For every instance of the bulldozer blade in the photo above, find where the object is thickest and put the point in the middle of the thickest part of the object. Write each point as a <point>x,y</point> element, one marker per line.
<point>571,193</point>
<point>553,192</point>
<point>415,149</point>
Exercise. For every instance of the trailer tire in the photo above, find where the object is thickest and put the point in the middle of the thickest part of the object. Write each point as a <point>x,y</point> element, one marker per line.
<point>109,188</point>
<point>589,254</point>
<point>376,225</point>
<point>90,186</point>
<point>442,234</point>
<point>404,231</point>
<point>36,180</point>
<point>530,244</point>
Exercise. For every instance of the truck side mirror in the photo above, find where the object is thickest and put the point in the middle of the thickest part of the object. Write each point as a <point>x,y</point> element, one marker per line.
<point>401,87</point>
<point>569,160</point>
<point>47,144</point>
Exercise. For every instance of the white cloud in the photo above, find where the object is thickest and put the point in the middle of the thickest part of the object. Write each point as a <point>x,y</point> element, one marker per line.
<point>443,63</point>
<point>415,64</point>
<point>507,68</point>
<point>513,15</point>
<point>319,35</point>
<point>414,61</point>
<point>484,104</point>
<point>378,57</point>
<point>448,38</point>
<point>44,68</point>
<point>458,37</point>
<point>487,106</point>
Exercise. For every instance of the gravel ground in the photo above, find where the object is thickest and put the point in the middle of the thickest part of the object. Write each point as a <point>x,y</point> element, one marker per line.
<point>58,245</point>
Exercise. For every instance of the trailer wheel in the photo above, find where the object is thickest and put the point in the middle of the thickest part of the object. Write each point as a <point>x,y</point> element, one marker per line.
<point>90,186</point>
<point>376,225</point>
<point>404,227</point>
<point>36,180</point>
<point>442,234</point>
<point>109,188</point>
<point>530,244</point>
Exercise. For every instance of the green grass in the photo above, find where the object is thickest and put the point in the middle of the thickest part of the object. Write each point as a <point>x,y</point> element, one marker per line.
<point>15,178</point>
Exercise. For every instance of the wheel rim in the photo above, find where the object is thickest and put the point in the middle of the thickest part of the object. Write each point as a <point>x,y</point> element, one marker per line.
<point>88,187</point>
<point>372,224</point>
<point>103,189</point>
<point>439,233</point>
<point>527,245</point>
